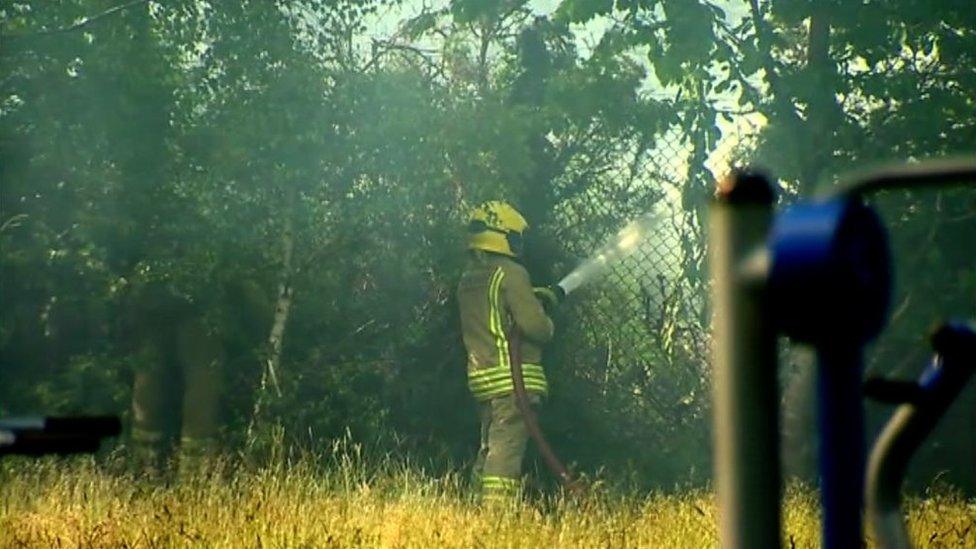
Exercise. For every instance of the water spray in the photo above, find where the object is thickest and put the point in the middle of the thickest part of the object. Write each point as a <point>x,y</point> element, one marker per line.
<point>616,248</point>
<point>619,246</point>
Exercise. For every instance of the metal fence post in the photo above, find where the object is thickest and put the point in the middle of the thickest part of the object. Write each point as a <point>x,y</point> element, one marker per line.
<point>746,403</point>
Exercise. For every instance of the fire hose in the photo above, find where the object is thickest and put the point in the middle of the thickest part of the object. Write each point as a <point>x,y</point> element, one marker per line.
<point>531,420</point>
<point>617,247</point>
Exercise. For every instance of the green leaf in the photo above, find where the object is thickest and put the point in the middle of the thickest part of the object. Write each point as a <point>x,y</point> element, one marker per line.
<point>581,11</point>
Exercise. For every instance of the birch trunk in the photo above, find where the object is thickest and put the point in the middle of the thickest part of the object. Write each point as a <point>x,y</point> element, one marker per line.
<point>282,310</point>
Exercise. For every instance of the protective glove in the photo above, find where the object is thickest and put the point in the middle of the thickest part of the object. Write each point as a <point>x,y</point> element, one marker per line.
<point>549,296</point>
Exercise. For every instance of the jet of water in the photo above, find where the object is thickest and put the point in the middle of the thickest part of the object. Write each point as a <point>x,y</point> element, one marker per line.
<point>619,246</point>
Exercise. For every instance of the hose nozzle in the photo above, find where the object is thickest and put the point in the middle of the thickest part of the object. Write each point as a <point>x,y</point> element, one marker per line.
<point>550,296</point>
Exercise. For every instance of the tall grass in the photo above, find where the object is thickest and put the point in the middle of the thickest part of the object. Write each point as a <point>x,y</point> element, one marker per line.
<point>348,501</point>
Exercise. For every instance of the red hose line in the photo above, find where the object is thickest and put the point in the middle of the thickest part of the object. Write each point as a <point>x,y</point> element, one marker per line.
<point>529,417</point>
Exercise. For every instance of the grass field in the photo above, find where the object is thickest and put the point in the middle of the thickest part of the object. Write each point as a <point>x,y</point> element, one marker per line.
<point>76,503</point>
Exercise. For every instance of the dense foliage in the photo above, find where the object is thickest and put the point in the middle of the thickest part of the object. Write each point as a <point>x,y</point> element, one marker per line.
<point>299,180</point>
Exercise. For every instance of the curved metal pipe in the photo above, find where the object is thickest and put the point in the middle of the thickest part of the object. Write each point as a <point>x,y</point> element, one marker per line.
<point>912,422</point>
<point>928,173</point>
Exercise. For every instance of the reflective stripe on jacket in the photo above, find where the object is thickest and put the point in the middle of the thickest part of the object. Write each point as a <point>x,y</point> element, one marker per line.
<point>495,295</point>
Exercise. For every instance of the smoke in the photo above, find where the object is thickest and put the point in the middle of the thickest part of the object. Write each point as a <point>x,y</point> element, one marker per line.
<point>619,246</point>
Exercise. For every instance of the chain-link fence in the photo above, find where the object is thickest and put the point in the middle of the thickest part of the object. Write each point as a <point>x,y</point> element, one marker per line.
<point>635,342</point>
<point>639,337</point>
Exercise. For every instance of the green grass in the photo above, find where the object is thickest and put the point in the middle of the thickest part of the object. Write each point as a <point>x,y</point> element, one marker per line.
<point>344,503</point>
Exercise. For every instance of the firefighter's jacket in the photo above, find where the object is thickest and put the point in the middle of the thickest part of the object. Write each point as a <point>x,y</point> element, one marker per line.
<point>495,297</point>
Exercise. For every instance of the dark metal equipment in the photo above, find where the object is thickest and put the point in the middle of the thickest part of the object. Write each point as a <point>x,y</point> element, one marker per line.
<point>37,436</point>
<point>830,284</point>
<point>819,273</point>
<point>746,397</point>
<point>922,404</point>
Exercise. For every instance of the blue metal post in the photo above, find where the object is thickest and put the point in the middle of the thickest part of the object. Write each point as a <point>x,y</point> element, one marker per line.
<point>840,417</point>
<point>830,284</point>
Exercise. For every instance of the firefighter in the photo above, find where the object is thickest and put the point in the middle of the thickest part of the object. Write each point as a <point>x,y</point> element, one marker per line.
<point>176,382</point>
<point>496,298</point>
<point>180,367</point>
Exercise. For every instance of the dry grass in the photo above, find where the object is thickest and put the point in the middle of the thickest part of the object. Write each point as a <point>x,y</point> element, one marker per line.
<point>346,504</point>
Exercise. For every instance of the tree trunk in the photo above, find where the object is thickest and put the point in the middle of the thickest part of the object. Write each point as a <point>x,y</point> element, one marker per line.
<point>783,106</point>
<point>824,112</point>
<point>813,134</point>
<point>282,310</point>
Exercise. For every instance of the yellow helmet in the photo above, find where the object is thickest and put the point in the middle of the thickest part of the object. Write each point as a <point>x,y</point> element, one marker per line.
<point>496,226</point>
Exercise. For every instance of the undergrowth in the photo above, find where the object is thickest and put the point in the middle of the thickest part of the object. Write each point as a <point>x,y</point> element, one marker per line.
<point>345,500</point>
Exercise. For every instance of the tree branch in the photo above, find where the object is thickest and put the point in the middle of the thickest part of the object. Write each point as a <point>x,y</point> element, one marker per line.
<point>81,23</point>
<point>383,47</point>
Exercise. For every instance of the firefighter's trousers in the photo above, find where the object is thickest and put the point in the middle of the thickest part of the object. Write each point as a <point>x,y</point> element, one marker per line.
<point>498,467</point>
